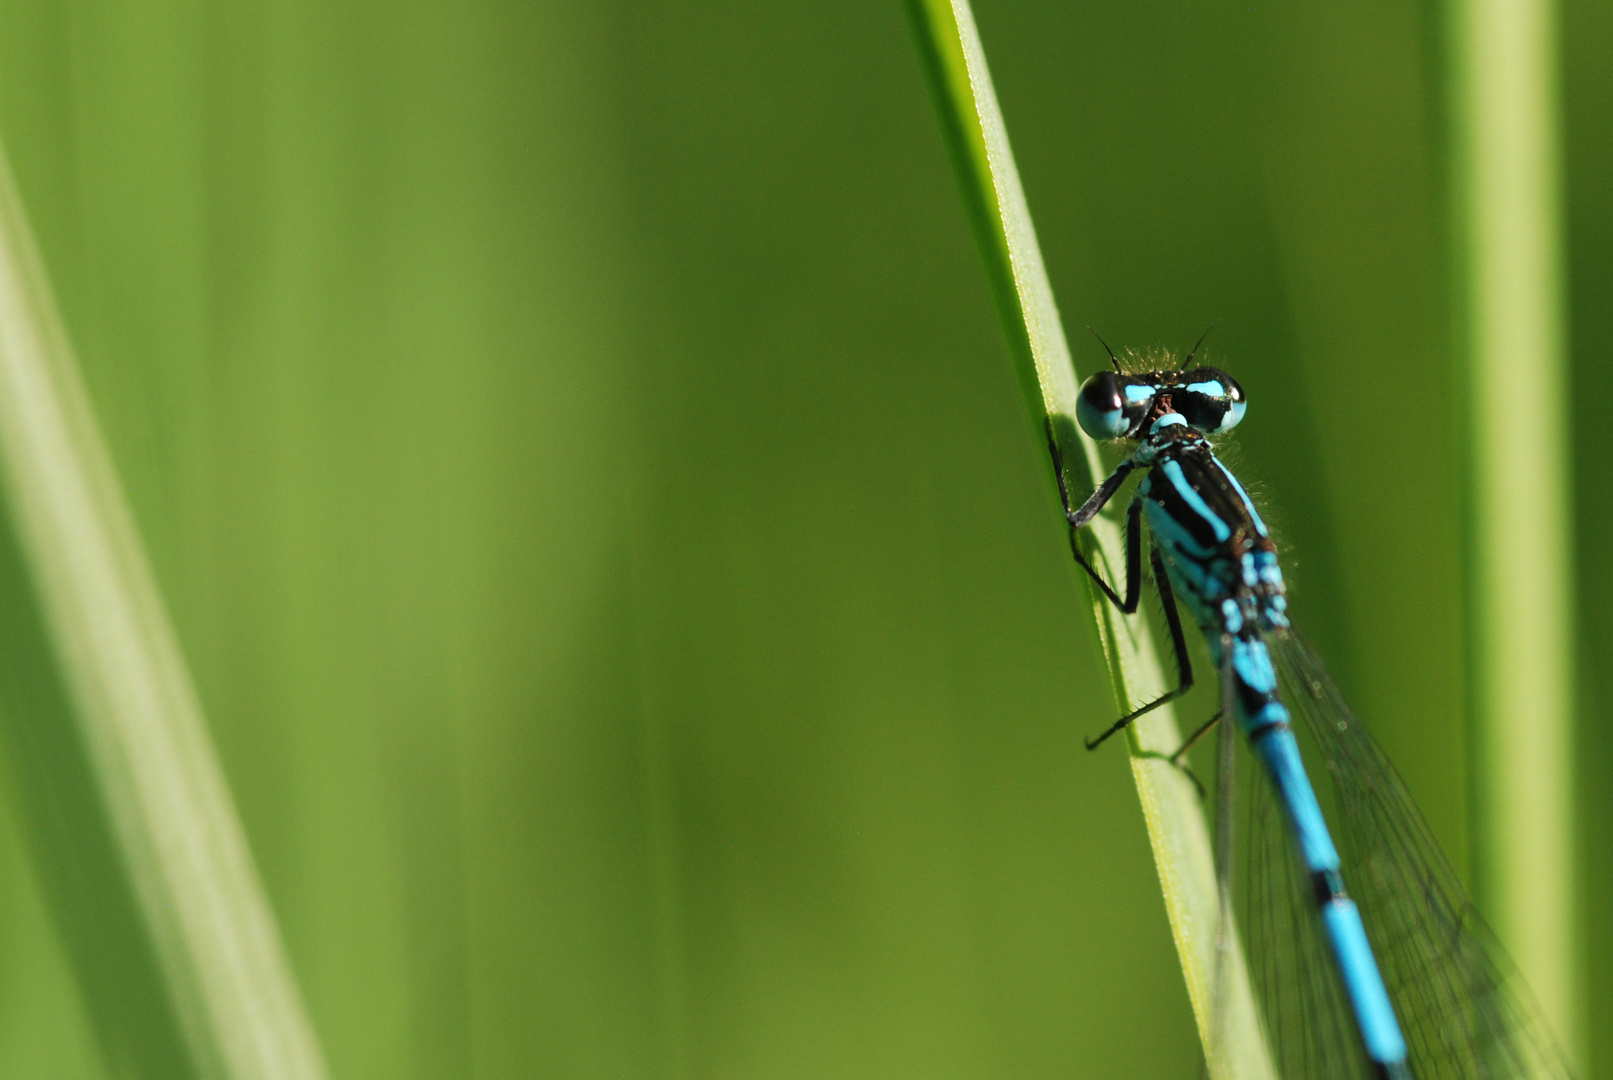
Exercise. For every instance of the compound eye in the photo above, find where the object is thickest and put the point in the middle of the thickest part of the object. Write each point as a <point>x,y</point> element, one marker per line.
<point>1216,402</point>
<point>1102,408</point>
<point>1235,404</point>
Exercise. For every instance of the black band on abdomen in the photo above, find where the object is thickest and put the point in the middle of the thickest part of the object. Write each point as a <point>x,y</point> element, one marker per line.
<point>1328,885</point>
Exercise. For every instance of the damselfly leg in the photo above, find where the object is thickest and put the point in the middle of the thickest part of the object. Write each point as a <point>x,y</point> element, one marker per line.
<point>1078,519</point>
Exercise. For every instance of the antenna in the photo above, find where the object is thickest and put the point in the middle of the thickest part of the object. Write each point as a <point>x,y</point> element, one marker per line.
<point>1112,358</point>
<point>1194,351</point>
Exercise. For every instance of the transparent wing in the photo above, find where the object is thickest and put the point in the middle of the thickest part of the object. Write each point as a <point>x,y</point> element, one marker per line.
<point>1464,1012</point>
<point>1310,1029</point>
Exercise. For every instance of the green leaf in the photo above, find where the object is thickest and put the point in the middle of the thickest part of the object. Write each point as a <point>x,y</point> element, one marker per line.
<point>973,127</point>
<point>142,855</point>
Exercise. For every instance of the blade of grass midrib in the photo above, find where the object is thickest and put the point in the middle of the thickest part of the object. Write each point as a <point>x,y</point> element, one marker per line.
<point>108,748</point>
<point>995,201</point>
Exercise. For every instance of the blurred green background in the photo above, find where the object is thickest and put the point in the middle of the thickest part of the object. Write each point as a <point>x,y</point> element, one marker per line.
<point>577,448</point>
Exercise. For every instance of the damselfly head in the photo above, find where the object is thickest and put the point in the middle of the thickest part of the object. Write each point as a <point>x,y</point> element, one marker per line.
<point>1117,405</point>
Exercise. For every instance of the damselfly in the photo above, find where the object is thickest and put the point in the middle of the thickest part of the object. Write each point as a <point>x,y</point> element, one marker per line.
<point>1393,976</point>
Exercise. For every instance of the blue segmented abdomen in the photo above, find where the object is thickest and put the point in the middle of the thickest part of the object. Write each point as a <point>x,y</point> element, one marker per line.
<point>1273,741</point>
<point>1225,570</point>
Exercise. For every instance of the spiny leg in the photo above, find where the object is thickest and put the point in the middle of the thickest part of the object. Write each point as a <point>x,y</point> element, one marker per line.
<point>1099,498</point>
<point>1081,517</point>
<point>1175,760</point>
<point>1134,562</point>
<point>1203,729</point>
<point>1184,665</point>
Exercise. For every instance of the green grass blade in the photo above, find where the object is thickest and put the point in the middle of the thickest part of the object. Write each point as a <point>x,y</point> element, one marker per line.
<point>1504,97</point>
<point>142,855</point>
<point>973,126</point>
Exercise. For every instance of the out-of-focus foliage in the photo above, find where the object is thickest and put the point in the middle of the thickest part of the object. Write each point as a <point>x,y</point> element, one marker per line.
<point>1588,143</point>
<point>576,446</point>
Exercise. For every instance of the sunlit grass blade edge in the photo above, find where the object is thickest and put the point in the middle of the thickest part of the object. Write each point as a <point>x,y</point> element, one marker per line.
<point>977,140</point>
<point>137,842</point>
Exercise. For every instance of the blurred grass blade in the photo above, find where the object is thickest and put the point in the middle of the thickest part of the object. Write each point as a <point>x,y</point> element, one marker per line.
<point>139,847</point>
<point>973,127</point>
<point>1507,172</point>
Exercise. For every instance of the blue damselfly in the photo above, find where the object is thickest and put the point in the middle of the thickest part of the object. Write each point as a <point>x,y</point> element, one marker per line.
<point>1368,957</point>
